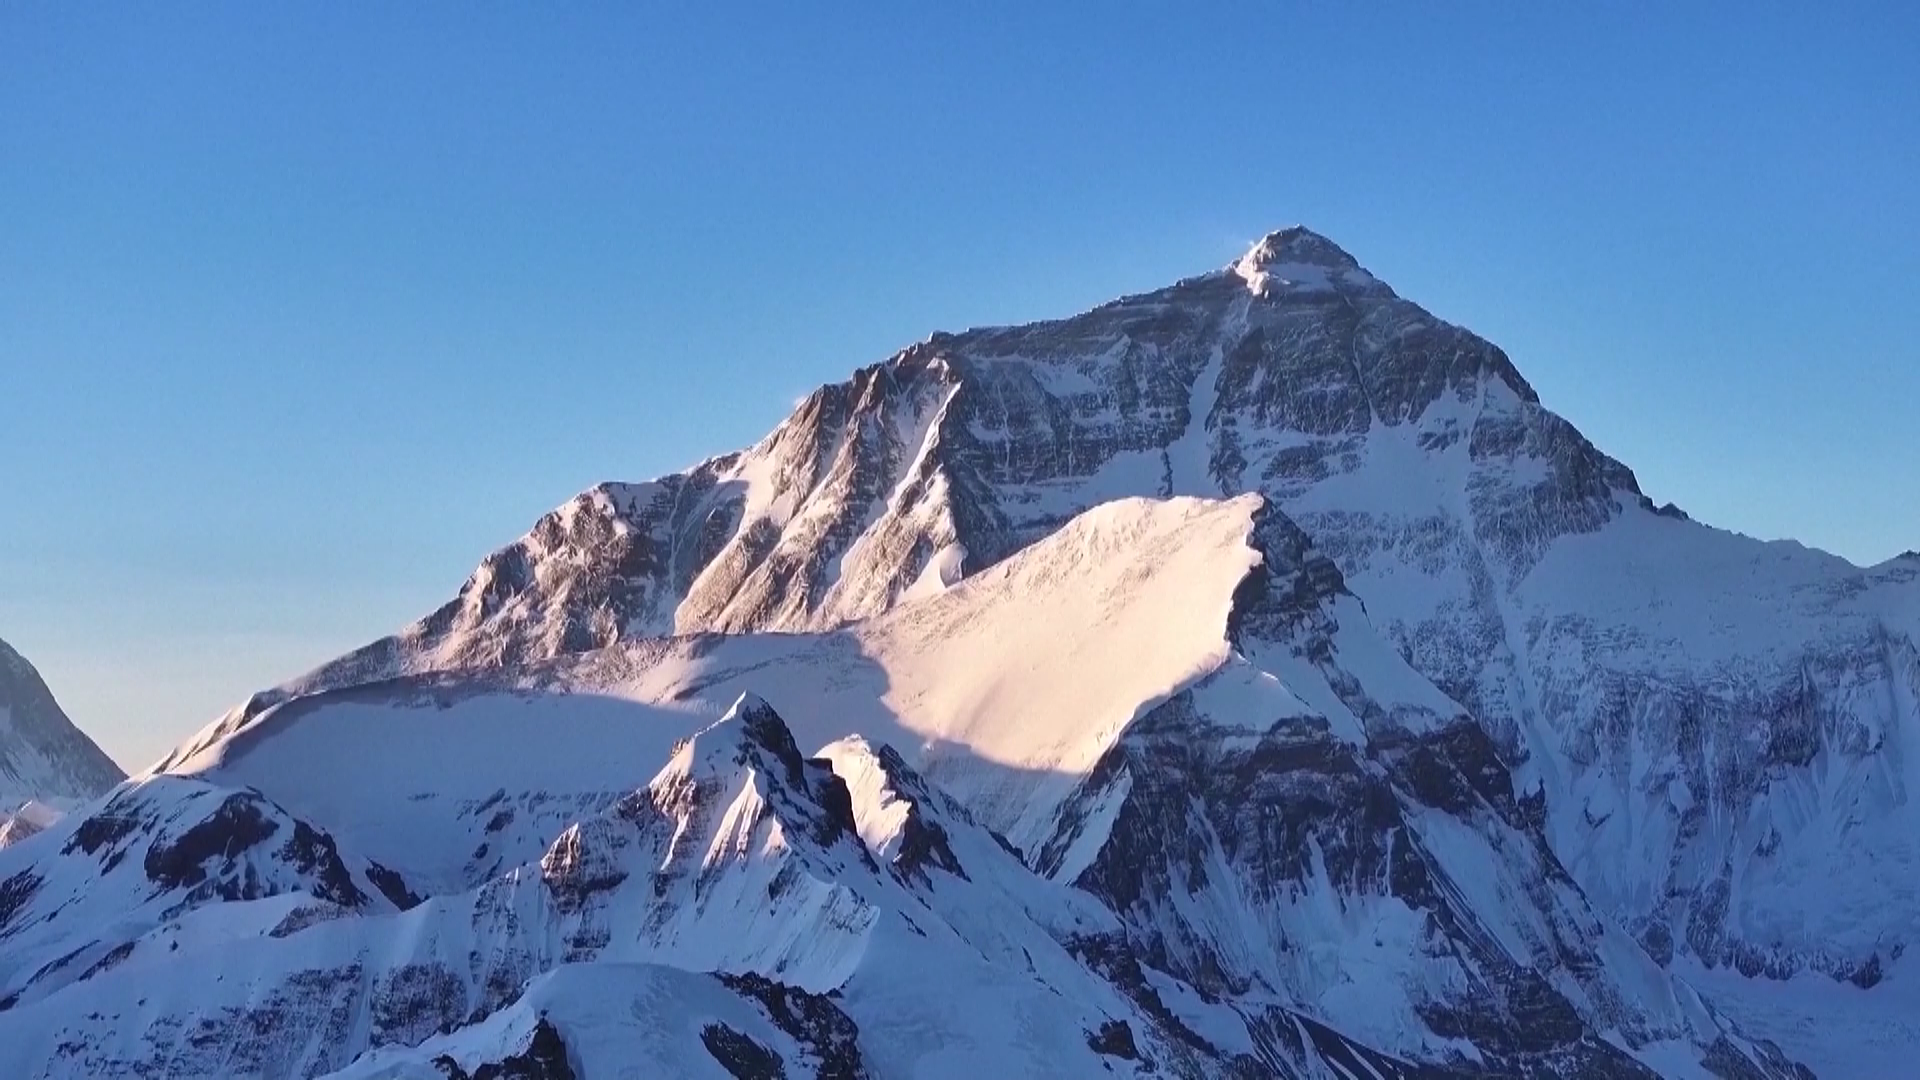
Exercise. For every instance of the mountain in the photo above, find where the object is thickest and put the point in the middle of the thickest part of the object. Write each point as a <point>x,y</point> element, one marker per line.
<point>43,757</point>
<point>1251,677</point>
<point>1713,720</point>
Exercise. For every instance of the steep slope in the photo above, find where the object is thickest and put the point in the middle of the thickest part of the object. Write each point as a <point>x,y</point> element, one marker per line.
<point>1303,824</point>
<point>1712,719</point>
<point>1286,843</point>
<point>43,756</point>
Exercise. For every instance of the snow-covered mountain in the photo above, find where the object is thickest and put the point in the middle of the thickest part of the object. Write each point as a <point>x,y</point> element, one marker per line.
<point>46,763</point>
<point>1714,719</point>
<point>1248,678</point>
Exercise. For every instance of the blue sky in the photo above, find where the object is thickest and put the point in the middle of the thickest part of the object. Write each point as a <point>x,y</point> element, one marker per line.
<point>303,311</point>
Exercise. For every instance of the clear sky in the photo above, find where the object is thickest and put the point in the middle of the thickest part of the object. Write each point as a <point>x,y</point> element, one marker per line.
<point>304,308</point>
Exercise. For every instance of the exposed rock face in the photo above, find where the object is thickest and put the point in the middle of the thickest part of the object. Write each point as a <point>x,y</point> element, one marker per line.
<point>42,755</point>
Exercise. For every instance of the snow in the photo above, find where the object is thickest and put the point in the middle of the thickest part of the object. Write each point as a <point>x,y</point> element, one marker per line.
<point>1838,1030</point>
<point>29,818</point>
<point>1010,685</point>
<point>943,571</point>
<point>1187,457</point>
<point>1268,267</point>
<point>1408,701</point>
<point>1701,596</point>
<point>725,869</point>
<point>616,1020</point>
<point>449,762</point>
<point>1146,588</point>
<point>1094,828</point>
<point>879,809</point>
<point>116,873</point>
<point>1673,1059</point>
<point>37,814</point>
<point>1304,277</point>
<point>1006,688</point>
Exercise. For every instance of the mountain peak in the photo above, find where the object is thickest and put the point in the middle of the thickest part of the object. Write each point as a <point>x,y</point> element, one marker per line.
<point>1298,259</point>
<point>751,735</point>
<point>1297,244</point>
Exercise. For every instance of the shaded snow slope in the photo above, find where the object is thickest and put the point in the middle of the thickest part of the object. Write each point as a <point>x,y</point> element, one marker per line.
<point>623,1019</point>
<point>42,755</point>
<point>454,780</point>
<point>1836,1028</point>
<point>25,820</point>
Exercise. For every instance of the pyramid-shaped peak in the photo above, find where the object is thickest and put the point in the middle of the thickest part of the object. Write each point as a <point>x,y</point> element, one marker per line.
<point>750,733</point>
<point>764,725</point>
<point>1297,245</point>
<point>750,707</point>
<point>1297,260</point>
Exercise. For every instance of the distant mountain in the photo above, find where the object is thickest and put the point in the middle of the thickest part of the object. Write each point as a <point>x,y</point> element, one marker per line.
<point>1246,678</point>
<point>43,756</point>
